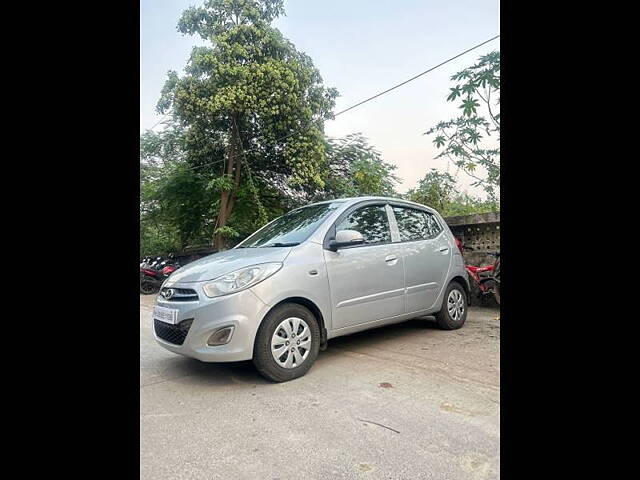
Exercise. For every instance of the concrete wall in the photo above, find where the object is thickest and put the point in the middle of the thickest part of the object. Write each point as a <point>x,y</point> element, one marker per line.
<point>480,232</point>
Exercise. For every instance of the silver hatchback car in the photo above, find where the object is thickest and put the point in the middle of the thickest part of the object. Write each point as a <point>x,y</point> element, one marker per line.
<point>318,272</point>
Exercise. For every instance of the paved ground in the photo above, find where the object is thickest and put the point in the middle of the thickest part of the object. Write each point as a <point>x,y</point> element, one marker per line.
<point>407,401</point>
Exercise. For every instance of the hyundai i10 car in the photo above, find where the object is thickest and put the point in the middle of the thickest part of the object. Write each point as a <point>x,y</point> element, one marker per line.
<point>318,272</point>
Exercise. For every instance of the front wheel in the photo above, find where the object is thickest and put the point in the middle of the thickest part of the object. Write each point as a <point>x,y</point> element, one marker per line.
<point>287,343</point>
<point>454,308</point>
<point>147,287</point>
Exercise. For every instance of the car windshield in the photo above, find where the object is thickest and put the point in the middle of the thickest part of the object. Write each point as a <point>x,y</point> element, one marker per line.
<point>291,228</point>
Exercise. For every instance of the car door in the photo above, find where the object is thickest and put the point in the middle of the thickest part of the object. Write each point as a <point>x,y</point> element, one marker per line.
<point>367,280</point>
<point>427,256</point>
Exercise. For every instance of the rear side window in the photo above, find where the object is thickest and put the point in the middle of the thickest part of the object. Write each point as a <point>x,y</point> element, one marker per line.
<point>371,222</point>
<point>433,226</point>
<point>416,224</point>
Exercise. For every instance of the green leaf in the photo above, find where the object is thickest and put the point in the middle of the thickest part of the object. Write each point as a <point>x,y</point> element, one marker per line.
<point>455,93</point>
<point>469,106</point>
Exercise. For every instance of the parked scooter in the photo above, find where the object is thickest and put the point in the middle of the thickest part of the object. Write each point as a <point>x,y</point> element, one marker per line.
<point>153,276</point>
<point>146,262</point>
<point>487,277</point>
<point>155,263</point>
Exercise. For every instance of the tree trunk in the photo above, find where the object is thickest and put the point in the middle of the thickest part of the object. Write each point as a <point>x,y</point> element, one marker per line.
<point>228,197</point>
<point>218,240</point>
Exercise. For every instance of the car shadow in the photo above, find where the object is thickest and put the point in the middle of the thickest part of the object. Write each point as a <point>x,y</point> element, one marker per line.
<point>193,372</point>
<point>380,335</point>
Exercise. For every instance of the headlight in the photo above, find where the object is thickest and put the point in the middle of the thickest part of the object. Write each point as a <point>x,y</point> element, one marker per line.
<point>240,279</point>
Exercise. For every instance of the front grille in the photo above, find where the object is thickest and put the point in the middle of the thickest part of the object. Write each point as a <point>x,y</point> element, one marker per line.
<point>172,333</point>
<point>181,295</point>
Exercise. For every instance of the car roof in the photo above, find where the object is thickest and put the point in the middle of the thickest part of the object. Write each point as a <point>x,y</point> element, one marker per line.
<point>354,200</point>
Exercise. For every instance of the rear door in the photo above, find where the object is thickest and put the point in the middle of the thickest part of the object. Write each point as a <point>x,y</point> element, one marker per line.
<point>366,281</point>
<point>426,251</point>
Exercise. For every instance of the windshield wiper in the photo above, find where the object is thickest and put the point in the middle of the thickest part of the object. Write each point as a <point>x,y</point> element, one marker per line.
<point>278,244</point>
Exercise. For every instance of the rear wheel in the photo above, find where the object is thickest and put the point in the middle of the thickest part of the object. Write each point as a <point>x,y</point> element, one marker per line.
<point>496,291</point>
<point>496,283</point>
<point>287,343</point>
<point>454,308</point>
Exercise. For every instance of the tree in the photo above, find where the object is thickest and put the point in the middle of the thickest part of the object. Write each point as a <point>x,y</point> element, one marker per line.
<point>176,190</point>
<point>177,186</point>
<point>465,204</point>
<point>174,201</point>
<point>461,139</point>
<point>435,190</point>
<point>354,168</point>
<point>438,190</point>
<point>253,93</point>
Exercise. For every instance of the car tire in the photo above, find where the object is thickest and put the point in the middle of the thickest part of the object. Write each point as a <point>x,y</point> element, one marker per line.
<point>496,292</point>
<point>147,287</point>
<point>454,307</point>
<point>276,333</point>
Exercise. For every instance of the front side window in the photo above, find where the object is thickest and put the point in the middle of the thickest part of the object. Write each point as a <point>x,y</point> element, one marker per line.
<point>415,224</point>
<point>292,228</point>
<point>371,222</point>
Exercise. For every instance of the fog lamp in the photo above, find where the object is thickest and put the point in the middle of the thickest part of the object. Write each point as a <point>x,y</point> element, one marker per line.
<point>220,336</point>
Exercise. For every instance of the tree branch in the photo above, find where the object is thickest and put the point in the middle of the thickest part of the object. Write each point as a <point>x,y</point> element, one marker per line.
<point>496,123</point>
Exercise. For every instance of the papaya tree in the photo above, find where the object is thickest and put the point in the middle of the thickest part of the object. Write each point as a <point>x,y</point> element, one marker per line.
<point>471,141</point>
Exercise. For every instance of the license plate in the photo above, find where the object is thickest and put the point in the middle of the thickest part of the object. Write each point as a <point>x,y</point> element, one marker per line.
<point>167,315</point>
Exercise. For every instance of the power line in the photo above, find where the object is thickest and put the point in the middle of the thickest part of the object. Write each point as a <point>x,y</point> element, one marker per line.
<point>413,78</point>
<point>159,121</point>
<point>352,106</point>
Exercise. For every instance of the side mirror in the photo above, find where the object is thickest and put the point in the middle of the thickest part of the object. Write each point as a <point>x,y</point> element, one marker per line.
<point>346,238</point>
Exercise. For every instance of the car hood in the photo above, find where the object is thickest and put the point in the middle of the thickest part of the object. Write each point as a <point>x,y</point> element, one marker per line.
<point>221,263</point>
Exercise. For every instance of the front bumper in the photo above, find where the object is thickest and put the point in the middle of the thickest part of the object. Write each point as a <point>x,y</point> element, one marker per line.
<point>244,310</point>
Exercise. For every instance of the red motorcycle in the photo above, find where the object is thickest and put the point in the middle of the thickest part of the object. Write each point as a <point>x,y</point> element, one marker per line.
<point>487,278</point>
<point>151,279</point>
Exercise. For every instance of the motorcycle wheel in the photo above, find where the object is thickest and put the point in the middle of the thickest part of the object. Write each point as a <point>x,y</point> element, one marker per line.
<point>496,292</point>
<point>147,288</point>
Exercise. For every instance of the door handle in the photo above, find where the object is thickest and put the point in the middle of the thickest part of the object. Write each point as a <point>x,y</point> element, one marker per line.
<point>390,258</point>
<point>443,249</point>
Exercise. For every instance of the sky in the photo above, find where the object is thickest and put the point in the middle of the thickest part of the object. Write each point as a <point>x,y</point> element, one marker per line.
<point>360,47</point>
